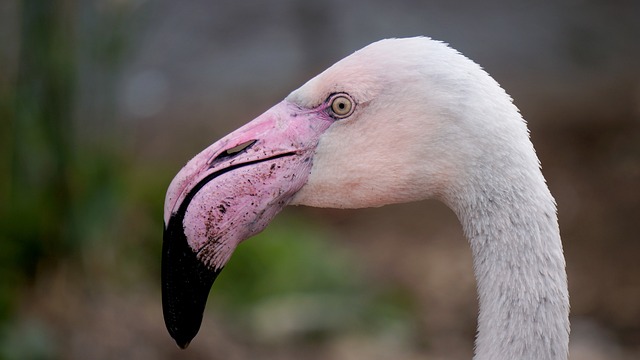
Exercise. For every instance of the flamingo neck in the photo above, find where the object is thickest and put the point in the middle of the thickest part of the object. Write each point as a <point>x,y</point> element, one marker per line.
<point>519,266</point>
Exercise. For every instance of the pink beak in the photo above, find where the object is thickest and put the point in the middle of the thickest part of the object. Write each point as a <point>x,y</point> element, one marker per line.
<point>226,194</point>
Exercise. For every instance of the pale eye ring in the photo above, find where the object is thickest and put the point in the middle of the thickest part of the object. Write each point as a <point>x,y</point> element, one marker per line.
<point>341,105</point>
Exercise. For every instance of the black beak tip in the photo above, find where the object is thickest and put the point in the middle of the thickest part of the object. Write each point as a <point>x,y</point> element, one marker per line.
<point>186,282</point>
<point>183,331</point>
<point>183,344</point>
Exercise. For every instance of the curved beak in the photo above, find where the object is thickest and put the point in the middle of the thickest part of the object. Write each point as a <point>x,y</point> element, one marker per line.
<point>224,195</point>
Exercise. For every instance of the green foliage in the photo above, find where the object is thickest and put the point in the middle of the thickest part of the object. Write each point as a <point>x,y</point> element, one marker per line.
<point>56,193</point>
<point>35,209</point>
<point>291,256</point>
<point>292,280</point>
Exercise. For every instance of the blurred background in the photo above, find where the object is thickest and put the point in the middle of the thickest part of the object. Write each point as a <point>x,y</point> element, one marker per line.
<point>102,102</point>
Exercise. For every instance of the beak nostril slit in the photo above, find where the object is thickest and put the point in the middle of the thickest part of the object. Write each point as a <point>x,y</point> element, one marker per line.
<point>232,152</point>
<point>238,148</point>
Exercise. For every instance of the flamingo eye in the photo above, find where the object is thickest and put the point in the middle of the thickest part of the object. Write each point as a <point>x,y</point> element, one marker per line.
<point>341,106</point>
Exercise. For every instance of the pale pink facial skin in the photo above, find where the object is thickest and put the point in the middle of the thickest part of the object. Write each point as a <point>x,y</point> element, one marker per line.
<point>240,202</point>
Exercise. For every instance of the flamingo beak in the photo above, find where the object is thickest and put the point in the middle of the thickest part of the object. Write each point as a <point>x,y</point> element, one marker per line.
<point>224,195</point>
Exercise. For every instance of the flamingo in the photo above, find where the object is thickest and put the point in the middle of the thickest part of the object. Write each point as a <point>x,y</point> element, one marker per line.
<point>399,120</point>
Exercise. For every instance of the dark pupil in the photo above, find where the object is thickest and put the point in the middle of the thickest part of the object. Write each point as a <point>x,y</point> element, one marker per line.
<point>341,106</point>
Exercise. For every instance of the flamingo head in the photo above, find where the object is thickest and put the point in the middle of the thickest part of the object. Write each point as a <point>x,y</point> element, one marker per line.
<point>380,126</point>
